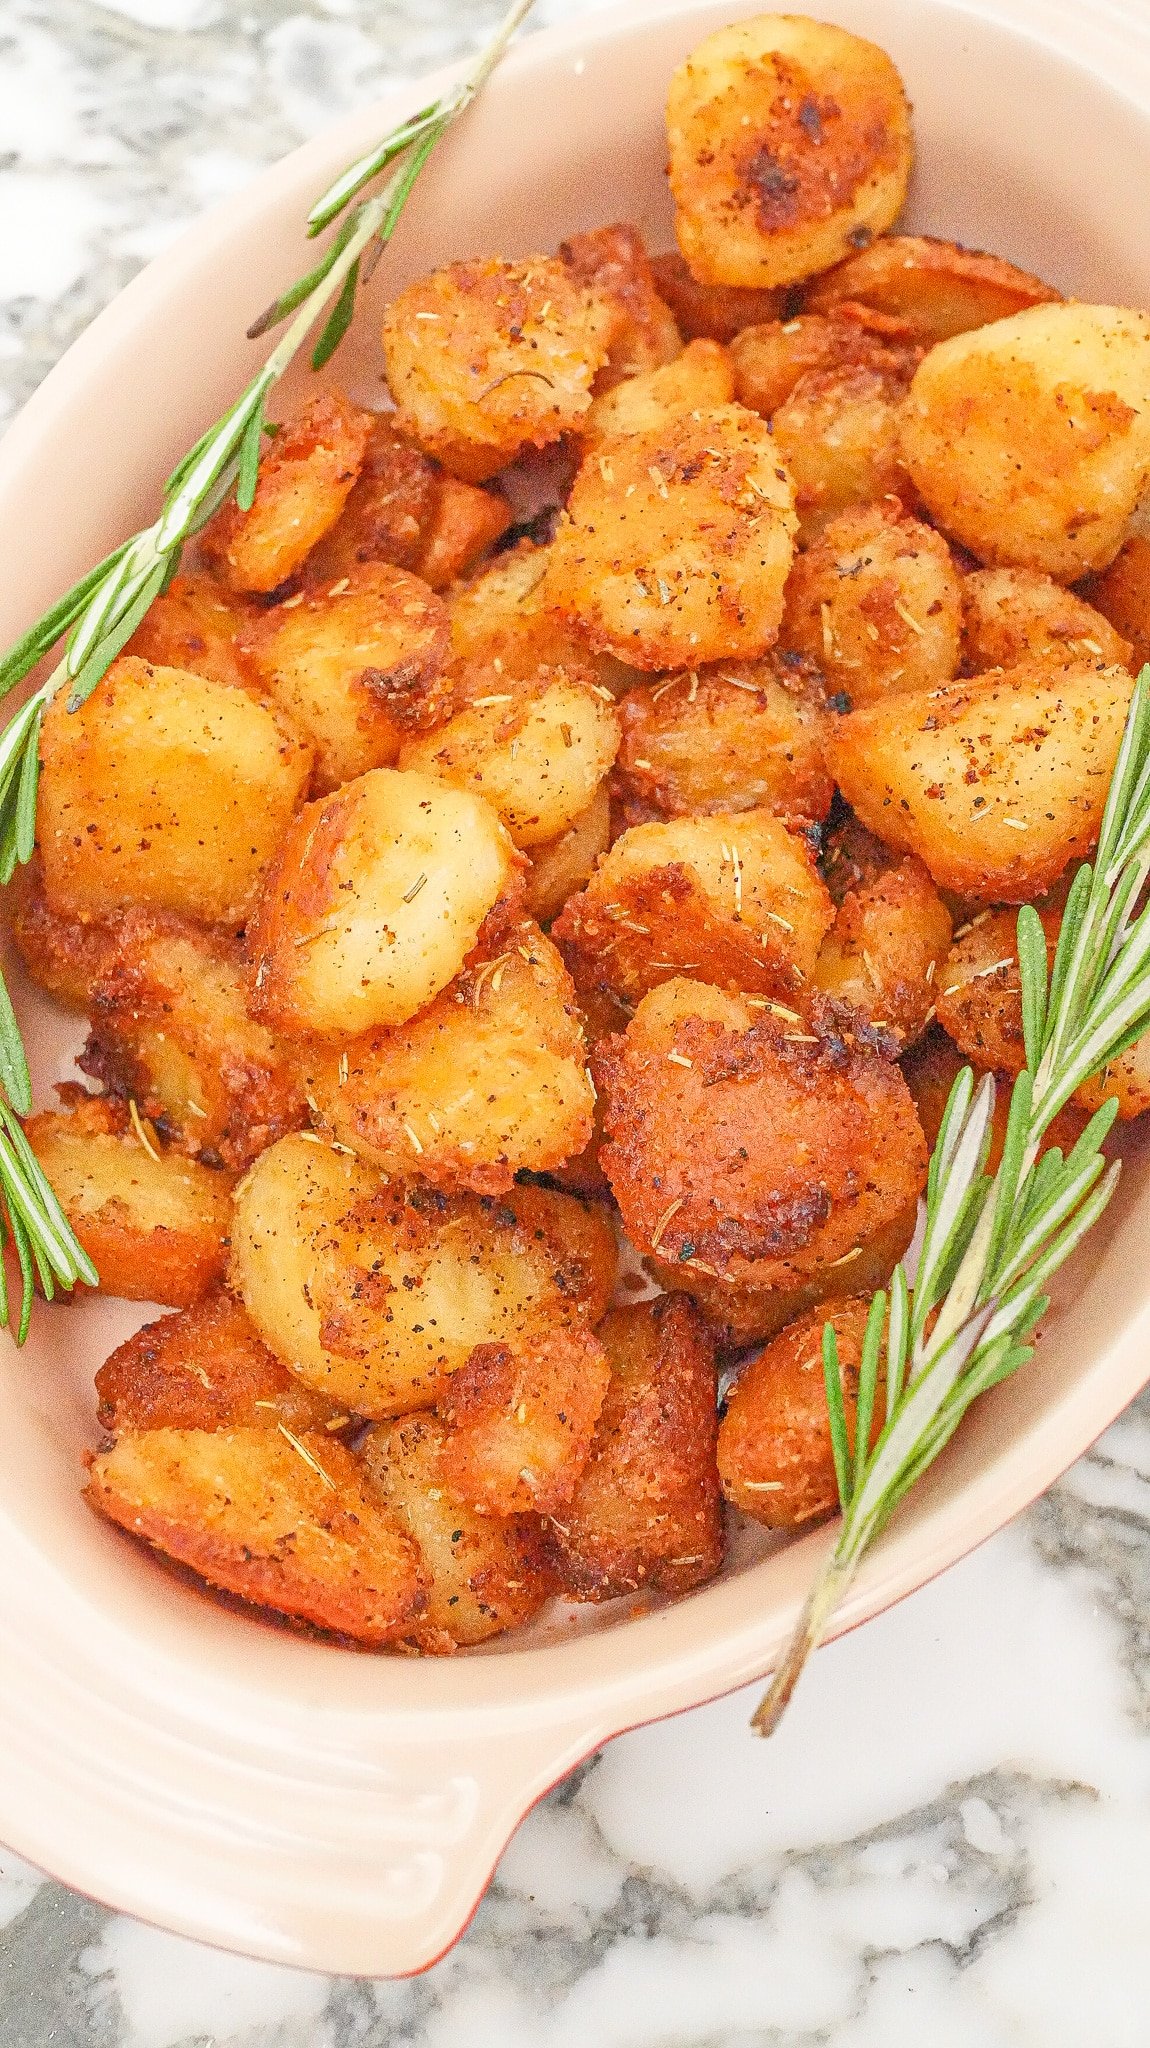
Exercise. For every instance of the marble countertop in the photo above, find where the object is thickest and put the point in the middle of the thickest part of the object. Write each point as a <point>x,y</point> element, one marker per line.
<point>949,1844</point>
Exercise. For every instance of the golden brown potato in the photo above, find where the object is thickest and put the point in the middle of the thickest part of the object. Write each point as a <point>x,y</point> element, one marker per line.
<point>879,960</point>
<point>646,1513</point>
<point>204,1368</point>
<point>389,511</point>
<point>931,1068</point>
<point>1029,440</point>
<point>467,522</point>
<point>838,434</point>
<point>613,264</point>
<point>1011,616</point>
<point>877,602</point>
<point>654,400</point>
<point>711,312</point>
<point>194,626</point>
<point>562,865</point>
<point>1122,595</point>
<point>790,145</point>
<point>154,1224</point>
<point>775,1456</point>
<point>520,1420</point>
<point>305,479</point>
<point>769,360</point>
<point>938,287</point>
<point>60,954</point>
<point>742,1144</point>
<point>370,1292</point>
<point>739,737</point>
<point>486,358</point>
<point>485,1573</point>
<point>167,790</point>
<point>291,1526</point>
<point>675,545</point>
<point>171,1030</point>
<point>374,902</point>
<point>356,666</point>
<point>996,784</point>
<point>735,898</point>
<point>490,1079</point>
<point>501,627</point>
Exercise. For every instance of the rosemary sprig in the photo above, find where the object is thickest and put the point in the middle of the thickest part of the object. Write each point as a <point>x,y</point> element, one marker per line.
<point>102,611</point>
<point>962,1308</point>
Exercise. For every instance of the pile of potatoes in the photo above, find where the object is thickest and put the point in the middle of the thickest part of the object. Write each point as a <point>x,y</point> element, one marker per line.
<point>589,797</point>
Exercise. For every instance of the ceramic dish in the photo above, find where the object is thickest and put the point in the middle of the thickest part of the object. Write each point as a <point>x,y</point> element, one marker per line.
<point>181,1760</point>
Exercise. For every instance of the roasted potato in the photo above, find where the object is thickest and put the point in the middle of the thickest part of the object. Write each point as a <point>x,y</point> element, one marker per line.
<point>838,434</point>
<point>876,601</point>
<point>374,902</point>
<point>154,1224</point>
<point>1122,595</point>
<point>675,545</point>
<point>467,523</point>
<point>852,858</point>
<point>61,955</point>
<point>205,1368</point>
<point>501,627</point>
<point>195,626</point>
<point>486,358</point>
<point>931,1068</point>
<point>371,1292</point>
<point>562,865</point>
<point>996,784</point>
<point>938,288</point>
<point>737,737</point>
<point>1029,440</point>
<point>613,264</point>
<point>742,1144</point>
<point>711,312</point>
<point>167,790</point>
<point>879,960</point>
<point>790,145</point>
<point>774,1450</point>
<point>1011,616</point>
<point>294,1526</point>
<point>404,509</point>
<point>305,479</point>
<point>653,401</point>
<point>769,360</point>
<point>646,1513</point>
<point>520,1420</point>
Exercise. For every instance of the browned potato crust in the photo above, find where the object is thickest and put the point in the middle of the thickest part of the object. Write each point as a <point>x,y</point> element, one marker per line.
<point>154,1224</point>
<point>675,544</point>
<point>646,1513</point>
<point>249,1511</point>
<point>1011,616</point>
<point>711,312</point>
<point>1122,595</point>
<point>520,1420</point>
<point>700,376</point>
<point>60,954</point>
<point>487,358</point>
<point>740,737</point>
<point>562,865</point>
<point>501,627</point>
<point>485,1573</point>
<point>467,522</point>
<point>996,784</point>
<point>194,626</point>
<point>790,144</point>
<point>205,1368</point>
<point>838,434</point>
<point>167,790</point>
<point>775,1456</point>
<point>938,287</point>
<point>852,858</point>
<point>613,263</point>
<point>877,602</point>
<point>305,479</point>
<point>389,511</point>
<point>931,1068</point>
<point>769,360</point>
<point>879,960</point>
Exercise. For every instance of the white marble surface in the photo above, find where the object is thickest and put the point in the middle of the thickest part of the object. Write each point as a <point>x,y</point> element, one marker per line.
<point>950,1842</point>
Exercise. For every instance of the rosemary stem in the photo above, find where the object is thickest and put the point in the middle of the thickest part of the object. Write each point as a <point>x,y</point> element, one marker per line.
<point>827,1591</point>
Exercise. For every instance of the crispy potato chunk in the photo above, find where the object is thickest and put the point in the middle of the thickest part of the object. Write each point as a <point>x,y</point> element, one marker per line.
<point>775,1456</point>
<point>60,954</point>
<point>562,865</point>
<point>790,143</point>
<point>205,1368</point>
<point>769,360</point>
<point>646,1513</point>
<point>1122,595</point>
<point>467,522</point>
<point>487,358</point>
<point>486,1573</point>
<point>502,627</point>
<point>746,1146</point>
<point>938,288</point>
<point>390,509</point>
<point>171,1030</point>
<point>155,1225</point>
<point>654,400</point>
<point>879,960</point>
<point>305,480</point>
<point>1029,440</point>
<point>931,1068</point>
<point>678,549</point>
<point>375,901</point>
<point>838,434</point>
<point>490,1079</point>
<point>167,790</point>
<point>194,626</point>
<point>738,899</point>
<point>613,263</point>
<point>711,312</point>
<point>252,1514</point>
<point>996,784</point>
<point>520,1421</point>
<point>356,666</point>
<point>371,1292</point>
<point>877,602</point>
<point>740,737</point>
<point>1011,616</point>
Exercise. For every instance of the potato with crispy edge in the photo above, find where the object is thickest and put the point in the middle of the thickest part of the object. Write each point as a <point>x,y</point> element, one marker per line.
<point>838,434</point>
<point>646,1513</point>
<point>59,954</point>
<point>1029,440</point>
<point>879,960</point>
<point>613,263</point>
<point>769,360</point>
<point>486,358</point>
<point>876,601</point>
<point>996,784</point>
<point>737,737</point>
<point>653,400</point>
<point>305,479</point>
<point>467,523</point>
<point>520,1420</point>
<point>775,1457</point>
<point>489,1080</point>
<point>562,865</point>
<point>164,789</point>
<point>372,1291</point>
<point>205,1368</point>
<point>790,143</point>
<point>295,1527</point>
<point>374,902</point>
<point>485,1573</point>
<point>154,1224</point>
<point>675,545</point>
<point>195,626</point>
<point>747,1146</point>
<point>1122,595</point>
<point>939,288</point>
<point>501,627</point>
<point>711,312</point>
<point>932,1067</point>
<point>852,858</point>
<point>1012,616</point>
<point>406,510</point>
